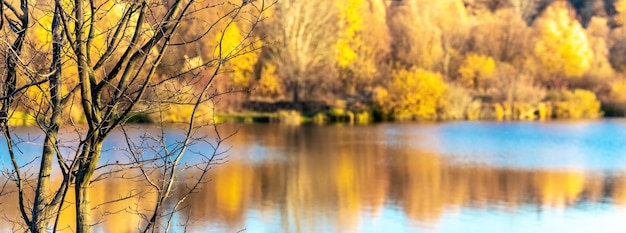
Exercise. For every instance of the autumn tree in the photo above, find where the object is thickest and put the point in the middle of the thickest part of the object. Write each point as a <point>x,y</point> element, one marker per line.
<point>600,70</point>
<point>411,94</point>
<point>502,35</point>
<point>575,104</point>
<point>101,58</point>
<point>302,36</point>
<point>351,61</point>
<point>562,50</point>
<point>477,71</point>
<point>416,41</point>
<point>242,67</point>
<point>269,84</point>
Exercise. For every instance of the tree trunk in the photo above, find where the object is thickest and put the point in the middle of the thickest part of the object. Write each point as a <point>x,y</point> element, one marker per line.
<point>43,210</point>
<point>296,99</point>
<point>40,214</point>
<point>89,160</point>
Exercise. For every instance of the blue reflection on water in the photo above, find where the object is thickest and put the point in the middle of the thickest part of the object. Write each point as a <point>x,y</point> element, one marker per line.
<point>605,218</point>
<point>594,145</point>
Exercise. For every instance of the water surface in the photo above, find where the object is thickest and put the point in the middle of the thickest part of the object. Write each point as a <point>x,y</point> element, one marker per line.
<point>448,177</point>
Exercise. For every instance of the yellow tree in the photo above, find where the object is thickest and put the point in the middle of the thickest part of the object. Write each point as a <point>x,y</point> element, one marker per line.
<point>350,24</point>
<point>349,41</point>
<point>360,49</point>
<point>242,65</point>
<point>269,84</point>
<point>576,104</point>
<point>562,50</point>
<point>476,71</point>
<point>412,93</point>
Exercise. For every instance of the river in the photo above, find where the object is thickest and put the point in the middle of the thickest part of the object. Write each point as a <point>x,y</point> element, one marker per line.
<point>426,177</point>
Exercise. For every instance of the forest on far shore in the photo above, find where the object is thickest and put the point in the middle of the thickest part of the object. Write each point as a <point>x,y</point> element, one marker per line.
<point>365,60</point>
<point>444,60</point>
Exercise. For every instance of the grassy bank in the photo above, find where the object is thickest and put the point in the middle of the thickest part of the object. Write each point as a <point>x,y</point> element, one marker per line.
<point>292,117</point>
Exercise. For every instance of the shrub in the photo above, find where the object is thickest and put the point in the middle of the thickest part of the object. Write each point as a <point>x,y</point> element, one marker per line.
<point>455,103</point>
<point>575,104</point>
<point>411,94</point>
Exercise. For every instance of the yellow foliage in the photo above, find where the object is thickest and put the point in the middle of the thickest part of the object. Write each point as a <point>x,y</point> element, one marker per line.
<point>179,113</point>
<point>380,95</point>
<point>499,111</point>
<point>363,118</point>
<point>345,53</point>
<point>105,15</point>
<point>177,106</point>
<point>563,48</point>
<point>618,92</point>
<point>289,117</point>
<point>241,61</point>
<point>358,50</point>
<point>576,104</point>
<point>269,84</point>
<point>477,70</point>
<point>473,110</point>
<point>18,118</point>
<point>412,94</point>
<point>41,31</point>
<point>544,111</point>
<point>524,111</point>
<point>320,118</point>
<point>349,40</point>
<point>37,94</point>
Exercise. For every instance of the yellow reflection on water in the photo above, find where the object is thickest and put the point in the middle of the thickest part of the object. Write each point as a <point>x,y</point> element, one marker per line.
<point>313,187</point>
<point>558,188</point>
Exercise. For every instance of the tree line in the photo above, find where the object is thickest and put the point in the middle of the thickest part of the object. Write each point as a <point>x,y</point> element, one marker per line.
<point>447,60</point>
<point>400,60</point>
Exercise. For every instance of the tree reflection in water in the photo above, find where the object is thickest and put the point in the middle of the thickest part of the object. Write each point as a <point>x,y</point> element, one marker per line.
<point>315,181</point>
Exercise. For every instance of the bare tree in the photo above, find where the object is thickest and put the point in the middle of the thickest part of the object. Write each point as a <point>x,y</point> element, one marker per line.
<point>428,34</point>
<point>529,9</point>
<point>102,60</point>
<point>304,30</point>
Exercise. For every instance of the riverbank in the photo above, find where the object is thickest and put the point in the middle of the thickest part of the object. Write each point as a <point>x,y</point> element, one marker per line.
<point>320,113</point>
